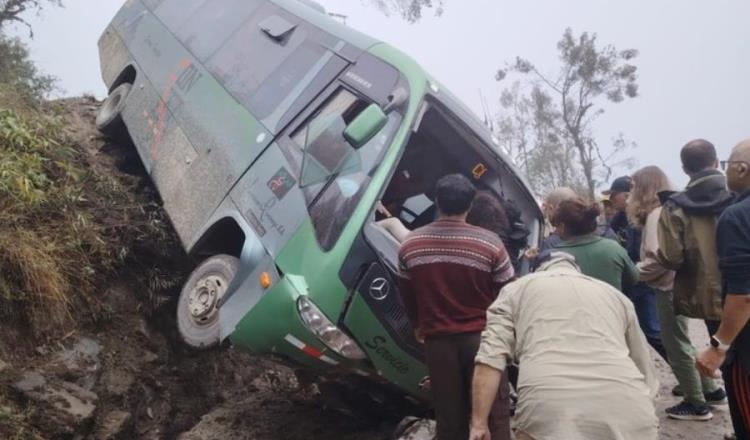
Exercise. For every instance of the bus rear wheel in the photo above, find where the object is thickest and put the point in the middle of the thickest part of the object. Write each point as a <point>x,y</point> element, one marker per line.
<point>109,120</point>
<point>197,308</point>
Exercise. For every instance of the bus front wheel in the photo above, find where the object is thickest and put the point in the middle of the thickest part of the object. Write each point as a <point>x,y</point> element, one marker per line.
<point>197,308</point>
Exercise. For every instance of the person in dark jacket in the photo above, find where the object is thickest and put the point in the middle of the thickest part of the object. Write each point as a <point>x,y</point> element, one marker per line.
<point>618,198</point>
<point>730,344</point>
<point>687,235</point>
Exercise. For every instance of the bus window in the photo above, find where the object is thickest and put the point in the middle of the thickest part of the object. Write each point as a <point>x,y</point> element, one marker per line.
<point>249,56</point>
<point>213,23</point>
<point>334,175</point>
<point>174,13</point>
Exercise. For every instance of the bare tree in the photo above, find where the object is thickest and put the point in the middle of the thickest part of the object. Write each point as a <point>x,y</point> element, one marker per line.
<point>410,10</point>
<point>12,11</point>
<point>528,129</point>
<point>588,77</point>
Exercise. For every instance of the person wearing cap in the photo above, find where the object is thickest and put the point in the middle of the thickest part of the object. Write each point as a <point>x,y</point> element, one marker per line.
<point>629,236</point>
<point>618,199</point>
<point>586,368</point>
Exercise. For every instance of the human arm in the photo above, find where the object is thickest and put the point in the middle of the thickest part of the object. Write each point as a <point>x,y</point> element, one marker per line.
<point>638,350</point>
<point>733,320</point>
<point>734,254</point>
<point>395,227</point>
<point>630,275</point>
<point>494,354</point>
<point>671,249</point>
<point>484,390</point>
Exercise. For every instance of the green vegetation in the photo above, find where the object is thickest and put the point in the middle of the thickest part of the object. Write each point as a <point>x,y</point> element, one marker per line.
<point>68,223</point>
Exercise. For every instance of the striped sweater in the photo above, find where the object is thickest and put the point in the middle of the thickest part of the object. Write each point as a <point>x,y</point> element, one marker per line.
<point>450,272</point>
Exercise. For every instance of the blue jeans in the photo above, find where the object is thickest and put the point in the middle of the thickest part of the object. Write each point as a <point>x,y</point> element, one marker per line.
<point>644,300</point>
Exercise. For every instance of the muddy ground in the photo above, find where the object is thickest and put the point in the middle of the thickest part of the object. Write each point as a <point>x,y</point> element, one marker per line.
<point>129,377</point>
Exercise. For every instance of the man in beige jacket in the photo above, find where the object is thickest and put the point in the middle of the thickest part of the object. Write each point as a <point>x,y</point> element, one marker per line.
<point>586,372</point>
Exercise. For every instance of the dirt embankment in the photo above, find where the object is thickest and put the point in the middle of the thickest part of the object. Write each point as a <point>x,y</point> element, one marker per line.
<point>125,374</point>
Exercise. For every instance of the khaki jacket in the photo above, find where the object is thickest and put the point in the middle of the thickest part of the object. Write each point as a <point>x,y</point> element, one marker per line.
<point>687,245</point>
<point>587,370</point>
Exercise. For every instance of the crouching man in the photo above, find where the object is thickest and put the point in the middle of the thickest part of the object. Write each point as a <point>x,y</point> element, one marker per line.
<point>586,372</point>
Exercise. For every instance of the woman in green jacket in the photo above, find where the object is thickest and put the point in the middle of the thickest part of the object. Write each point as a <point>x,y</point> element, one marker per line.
<point>598,257</point>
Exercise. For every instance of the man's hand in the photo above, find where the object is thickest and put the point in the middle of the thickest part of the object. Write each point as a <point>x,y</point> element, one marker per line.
<point>479,432</point>
<point>709,361</point>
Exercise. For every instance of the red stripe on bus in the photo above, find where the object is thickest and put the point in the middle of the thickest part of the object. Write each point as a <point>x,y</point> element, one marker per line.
<point>312,351</point>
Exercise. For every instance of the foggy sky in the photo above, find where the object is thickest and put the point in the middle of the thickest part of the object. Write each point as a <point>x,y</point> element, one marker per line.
<point>694,63</point>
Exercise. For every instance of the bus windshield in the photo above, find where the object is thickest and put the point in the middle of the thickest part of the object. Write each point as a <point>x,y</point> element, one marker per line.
<point>334,175</point>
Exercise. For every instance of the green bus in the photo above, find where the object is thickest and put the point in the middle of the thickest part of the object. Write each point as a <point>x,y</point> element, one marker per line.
<point>272,132</point>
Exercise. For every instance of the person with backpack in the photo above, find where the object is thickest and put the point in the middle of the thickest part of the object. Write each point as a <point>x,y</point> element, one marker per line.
<point>644,210</point>
<point>687,245</point>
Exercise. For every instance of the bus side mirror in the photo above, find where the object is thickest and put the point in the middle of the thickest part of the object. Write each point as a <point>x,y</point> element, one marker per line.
<point>365,126</point>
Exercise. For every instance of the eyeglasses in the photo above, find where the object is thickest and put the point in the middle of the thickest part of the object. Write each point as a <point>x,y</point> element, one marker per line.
<point>726,163</point>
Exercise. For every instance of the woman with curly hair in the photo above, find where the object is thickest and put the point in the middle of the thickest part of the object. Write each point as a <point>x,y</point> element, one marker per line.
<point>644,209</point>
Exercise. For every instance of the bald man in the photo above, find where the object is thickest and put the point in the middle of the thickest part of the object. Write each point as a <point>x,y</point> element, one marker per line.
<point>730,345</point>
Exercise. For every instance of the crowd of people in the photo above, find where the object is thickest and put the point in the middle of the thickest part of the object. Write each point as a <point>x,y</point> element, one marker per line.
<point>611,278</point>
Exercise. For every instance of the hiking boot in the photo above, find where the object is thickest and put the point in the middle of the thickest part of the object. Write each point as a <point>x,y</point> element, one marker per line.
<point>718,397</point>
<point>677,391</point>
<point>688,411</point>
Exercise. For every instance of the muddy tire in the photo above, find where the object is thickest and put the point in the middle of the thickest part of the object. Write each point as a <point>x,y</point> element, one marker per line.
<point>109,120</point>
<point>197,313</point>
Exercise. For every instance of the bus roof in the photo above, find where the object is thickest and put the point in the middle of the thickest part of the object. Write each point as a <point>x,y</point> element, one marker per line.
<point>321,20</point>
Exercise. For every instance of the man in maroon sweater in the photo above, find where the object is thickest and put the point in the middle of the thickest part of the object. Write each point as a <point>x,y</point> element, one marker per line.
<point>450,273</point>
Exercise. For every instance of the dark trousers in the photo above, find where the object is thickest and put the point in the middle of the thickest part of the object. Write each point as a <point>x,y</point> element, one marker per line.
<point>737,381</point>
<point>450,361</point>
<point>644,301</point>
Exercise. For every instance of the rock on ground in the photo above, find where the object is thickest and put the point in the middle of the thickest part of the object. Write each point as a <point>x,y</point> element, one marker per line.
<point>65,406</point>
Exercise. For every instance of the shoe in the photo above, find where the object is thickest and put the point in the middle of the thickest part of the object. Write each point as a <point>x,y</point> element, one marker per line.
<point>718,397</point>
<point>688,411</point>
<point>677,391</point>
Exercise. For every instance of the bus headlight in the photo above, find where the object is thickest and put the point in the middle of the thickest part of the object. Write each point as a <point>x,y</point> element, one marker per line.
<point>327,332</point>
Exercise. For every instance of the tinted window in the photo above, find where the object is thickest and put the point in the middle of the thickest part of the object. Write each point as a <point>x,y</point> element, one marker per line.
<point>213,23</point>
<point>334,175</point>
<point>174,13</point>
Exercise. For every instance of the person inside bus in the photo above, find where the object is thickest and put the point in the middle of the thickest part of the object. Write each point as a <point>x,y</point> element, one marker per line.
<point>487,211</point>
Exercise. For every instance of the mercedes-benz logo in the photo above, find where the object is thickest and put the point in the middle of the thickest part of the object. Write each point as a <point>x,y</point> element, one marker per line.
<point>379,289</point>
